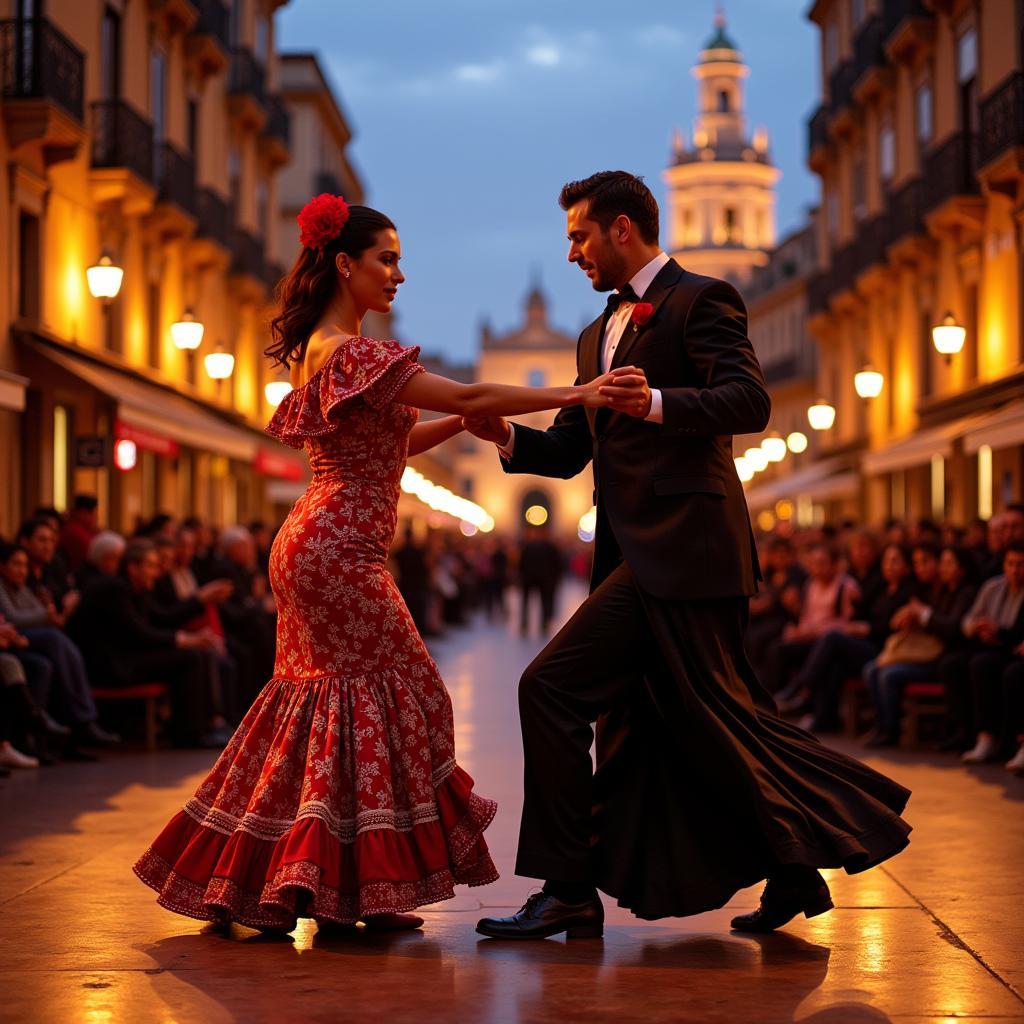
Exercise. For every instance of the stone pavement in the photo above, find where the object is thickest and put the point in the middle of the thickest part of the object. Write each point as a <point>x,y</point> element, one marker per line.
<point>934,935</point>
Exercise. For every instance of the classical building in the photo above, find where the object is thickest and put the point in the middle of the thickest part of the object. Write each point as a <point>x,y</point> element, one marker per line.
<point>721,183</point>
<point>536,354</point>
<point>146,138</point>
<point>918,141</point>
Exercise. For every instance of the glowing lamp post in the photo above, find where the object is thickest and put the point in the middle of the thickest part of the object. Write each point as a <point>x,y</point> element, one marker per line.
<point>797,442</point>
<point>821,415</point>
<point>868,382</point>
<point>756,459</point>
<point>219,364</point>
<point>275,391</point>
<point>104,278</point>
<point>187,333</point>
<point>948,337</point>
<point>774,448</point>
<point>743,468</point>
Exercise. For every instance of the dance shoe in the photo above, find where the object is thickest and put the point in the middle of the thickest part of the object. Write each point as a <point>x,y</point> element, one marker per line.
<point>985,749</point>
<point>1016,763</point>
<point>392,922</point>
<point>10,757</point>
<point>543,916</point>
<point>780,903</point>
<point>92,734</point>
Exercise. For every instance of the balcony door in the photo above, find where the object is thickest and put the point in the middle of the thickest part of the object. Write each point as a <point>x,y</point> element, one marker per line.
<point>110,55</point>
<point>158,105</point>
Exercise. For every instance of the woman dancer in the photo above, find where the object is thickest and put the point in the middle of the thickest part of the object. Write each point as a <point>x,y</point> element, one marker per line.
<point>339,797</point>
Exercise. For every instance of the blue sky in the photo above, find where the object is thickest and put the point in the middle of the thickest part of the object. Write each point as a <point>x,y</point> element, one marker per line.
<point>470,114</point>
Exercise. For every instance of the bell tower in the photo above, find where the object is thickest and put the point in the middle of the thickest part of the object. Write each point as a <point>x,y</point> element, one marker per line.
<point>721,182</point>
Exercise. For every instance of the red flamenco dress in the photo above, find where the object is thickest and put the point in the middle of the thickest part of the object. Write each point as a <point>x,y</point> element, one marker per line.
<point>338,797</point>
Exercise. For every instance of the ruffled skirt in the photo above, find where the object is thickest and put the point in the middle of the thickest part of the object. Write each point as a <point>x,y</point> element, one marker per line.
<point>335,799</point>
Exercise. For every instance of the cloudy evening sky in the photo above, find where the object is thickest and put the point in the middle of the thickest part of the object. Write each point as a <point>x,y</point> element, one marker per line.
<point>470,114</point>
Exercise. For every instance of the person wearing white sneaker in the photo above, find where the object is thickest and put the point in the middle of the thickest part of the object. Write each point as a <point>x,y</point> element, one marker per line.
<point>985,749</point>
<point>1016,763</point>
<point>12,758</point>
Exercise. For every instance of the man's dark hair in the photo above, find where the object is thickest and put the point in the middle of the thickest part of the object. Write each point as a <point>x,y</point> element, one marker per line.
<point>928,548</point>
<point>612,193</point>
<point>1015,546</point>
<point>27,530</point>
<point>136,550</point>
<point>85,502</point>
<point>777,543</point>
<point>46,512</point>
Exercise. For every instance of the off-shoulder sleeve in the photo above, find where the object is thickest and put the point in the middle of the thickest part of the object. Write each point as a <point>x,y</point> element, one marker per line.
<point>364,368</point>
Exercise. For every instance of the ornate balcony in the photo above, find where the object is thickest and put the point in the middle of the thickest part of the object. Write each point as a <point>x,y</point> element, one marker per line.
<point>246,97</point>
<point>844,268</point>
<point>326,181</point>
<point>871,68</point>
<point>277,131</point>
<point>41,81</point>
<point>1001,146</point>
<point>208,46</point>
<point>870,244</point>
<point>819,290</point>
<point>817,138</point>
<point>248,266</point>
<point>909,26</point>
<point>906,212</point>
<point>175,15</point>
<point>122,154</point>
<point>840,89</point>
<point>952,194</point>
<point>175,176</point>
<point>211,243</point>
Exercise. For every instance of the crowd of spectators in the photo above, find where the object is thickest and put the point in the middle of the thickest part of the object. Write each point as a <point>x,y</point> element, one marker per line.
<point>86,611</point>
<point>912,603</point>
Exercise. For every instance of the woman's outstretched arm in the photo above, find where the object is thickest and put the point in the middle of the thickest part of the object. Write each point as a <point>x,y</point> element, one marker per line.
<point>431,433</point>
<point>439,394</point>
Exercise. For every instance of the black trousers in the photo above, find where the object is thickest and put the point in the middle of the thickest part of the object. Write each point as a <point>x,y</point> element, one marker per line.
<point>546,592</point>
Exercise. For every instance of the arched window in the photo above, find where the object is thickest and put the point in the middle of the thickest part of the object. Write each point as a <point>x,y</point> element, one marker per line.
<point>723,101</point>
<point>731,232</point>
<point>536,378</point>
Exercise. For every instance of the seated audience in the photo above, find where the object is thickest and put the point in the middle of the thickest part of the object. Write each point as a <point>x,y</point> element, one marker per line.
<point>48,576</point>
<point>768,615</point>
<point>81,525</point>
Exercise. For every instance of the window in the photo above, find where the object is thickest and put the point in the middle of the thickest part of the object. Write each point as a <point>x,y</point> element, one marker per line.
<point>192,127</point>
<point>886,151</point>
<point>261,43</point>
<point>832,214</point>
<point>923,109</point>
<point>28,266</point>
<point>262,209</point>
<point>926,384</point>
<point>153,321</point>
<point>731,231</point>
<point>536,378</point>
<point>860,207</point>
<point>235,21</point>
<point>157,103</point>
<point>110,55</point>
<point>857,12</point>
<point>61,459</point>
<point>967,78</point>
<point>831,44</point>
<point>234,183</point>
<point>723,101</point>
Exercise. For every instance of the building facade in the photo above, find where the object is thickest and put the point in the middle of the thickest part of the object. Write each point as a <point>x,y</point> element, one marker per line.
<point>721,183</point>
<point>918,142</point>
<point>535,354</point>
<point>144,137</point>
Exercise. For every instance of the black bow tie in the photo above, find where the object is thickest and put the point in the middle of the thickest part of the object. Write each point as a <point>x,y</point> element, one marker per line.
<point>625,294</point>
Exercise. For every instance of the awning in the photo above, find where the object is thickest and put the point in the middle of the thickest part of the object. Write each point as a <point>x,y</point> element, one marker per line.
<point>12,391</point>
<point>822,481</point>
<point>1003,428</point>
<point>918,448</point>
<point>155,411</point>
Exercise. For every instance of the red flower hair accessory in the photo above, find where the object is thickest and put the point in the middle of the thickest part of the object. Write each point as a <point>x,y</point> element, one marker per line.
<point>641,313</point>
<point>321,220</point>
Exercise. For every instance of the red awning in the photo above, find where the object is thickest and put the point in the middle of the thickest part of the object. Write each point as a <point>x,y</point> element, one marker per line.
<point>271,463</point>
<point>148,440</point>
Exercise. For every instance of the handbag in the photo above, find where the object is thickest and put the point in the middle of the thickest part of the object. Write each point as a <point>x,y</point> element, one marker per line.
<point>910,649</point>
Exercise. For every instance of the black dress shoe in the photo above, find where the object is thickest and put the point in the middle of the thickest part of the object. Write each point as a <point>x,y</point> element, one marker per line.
<point>543,916</point>
<point>781,903</point>
<point>92,734</point>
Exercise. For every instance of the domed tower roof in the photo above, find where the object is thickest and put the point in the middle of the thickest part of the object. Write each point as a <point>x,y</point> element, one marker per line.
<point>720,47</point>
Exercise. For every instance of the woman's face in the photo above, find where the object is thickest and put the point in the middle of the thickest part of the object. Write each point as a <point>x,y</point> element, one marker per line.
<point>926,566</point>
<point>375,276</point>
<point>949,568</point>
<point>894,565</point>
<point>15,569</point>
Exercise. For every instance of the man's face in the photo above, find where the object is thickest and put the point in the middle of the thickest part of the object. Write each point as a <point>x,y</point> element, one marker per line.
<point>41,545</point>
<point>144,573</point>
<point>1013,527</point>
<point>242,552</point>
<point>1013,566</point>
<point>821,567</point>
<point>926,566</point>
<point>594,250</point>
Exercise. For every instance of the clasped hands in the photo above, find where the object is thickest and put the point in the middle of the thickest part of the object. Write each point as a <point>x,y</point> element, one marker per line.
<point>624,390</point>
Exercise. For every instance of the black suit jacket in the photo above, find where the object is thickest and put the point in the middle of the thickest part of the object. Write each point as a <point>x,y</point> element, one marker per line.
<point>668,497</point>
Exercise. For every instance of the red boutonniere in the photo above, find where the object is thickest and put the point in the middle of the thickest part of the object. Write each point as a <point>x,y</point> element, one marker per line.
<point>642,312</point>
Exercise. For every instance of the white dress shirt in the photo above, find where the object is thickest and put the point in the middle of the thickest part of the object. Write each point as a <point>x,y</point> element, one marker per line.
<point>613,331</point>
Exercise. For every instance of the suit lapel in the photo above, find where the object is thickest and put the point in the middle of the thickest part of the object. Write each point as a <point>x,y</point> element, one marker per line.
<point>659,289</point>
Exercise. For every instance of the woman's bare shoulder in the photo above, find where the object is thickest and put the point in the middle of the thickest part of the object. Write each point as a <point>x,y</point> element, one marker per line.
<point>318,351</point>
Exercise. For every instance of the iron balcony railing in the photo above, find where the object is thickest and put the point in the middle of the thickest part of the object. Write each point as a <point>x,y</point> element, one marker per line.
<point>906,211</point>
<point>869,46</point>
<point>122,137</point>
<point>819,289</point>
<point>896,12</point>
<point>214,217</point>
<point>214,20</point>
<point>326,181</point>
<point>40,63</point>
<point>247,75</point>
<point>870,243</point>
<point>1002,119</point>
<point>175,175</point>
<point>247,254</point>
<point>278,120</point>
<point>840,85</point>
<point>817,129</point>
<point>952,170</point>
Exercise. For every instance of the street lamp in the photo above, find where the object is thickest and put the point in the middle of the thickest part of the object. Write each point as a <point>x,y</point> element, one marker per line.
<point>276,389</point>
<point>104,277</point>
<point>948,337</point>
<point>797,442</point>
<point>868,382</point>
<point>821,415</point>
<point>187,333</point>
<point>774,448</point>
<point>219,364</point>
<point>743,468</point>
<point>756,459</point>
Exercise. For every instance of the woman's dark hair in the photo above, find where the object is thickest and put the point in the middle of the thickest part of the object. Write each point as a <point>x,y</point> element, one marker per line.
<point>964,559</point>
<point>928,548</point>
<point>8,551</point>
<point>614,193</point>
<point>303,294</point>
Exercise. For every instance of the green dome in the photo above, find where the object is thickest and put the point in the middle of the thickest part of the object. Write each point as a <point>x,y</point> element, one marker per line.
<point>720,39</point>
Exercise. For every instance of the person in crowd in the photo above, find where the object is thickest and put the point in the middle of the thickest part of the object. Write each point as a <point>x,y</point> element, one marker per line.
<point>23,724</point>
<point>924,629</point>
<point>492,576</point>
<point>44,629</point>
<point>48,577</point>
<point>995,622</point>
<point>413,578</point>
<point>827,600</point>
<point>540,572</point>
<point>103,558</point>
<point>975,539</point>
<point>1013,703</point>
<point>863,565</point>
<point>843,651</point>
<point>248,614</point>
<point>78,530</point>
<point>262,538</point>
<point>769,616</point>
<point>159,527</point>
<point>128,639</point>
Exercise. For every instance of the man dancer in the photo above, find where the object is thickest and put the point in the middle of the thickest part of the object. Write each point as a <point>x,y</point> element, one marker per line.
<point>700,788</point>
